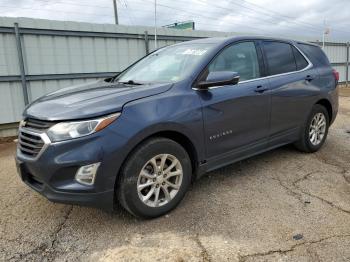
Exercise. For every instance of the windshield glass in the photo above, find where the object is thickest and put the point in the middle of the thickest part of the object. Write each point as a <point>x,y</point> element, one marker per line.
<point>168,64</point>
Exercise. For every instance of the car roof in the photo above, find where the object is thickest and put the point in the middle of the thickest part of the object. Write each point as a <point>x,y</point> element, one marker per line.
<point>226,40</point>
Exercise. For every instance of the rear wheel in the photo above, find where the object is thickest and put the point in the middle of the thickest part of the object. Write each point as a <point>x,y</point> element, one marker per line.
<point>155,178</point>
<point>315,130</point>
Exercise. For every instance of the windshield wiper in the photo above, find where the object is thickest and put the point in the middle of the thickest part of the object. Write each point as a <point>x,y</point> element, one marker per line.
<point>131,82</point>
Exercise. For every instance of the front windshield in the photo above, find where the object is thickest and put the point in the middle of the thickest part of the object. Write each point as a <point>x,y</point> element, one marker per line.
<point>169,64</point>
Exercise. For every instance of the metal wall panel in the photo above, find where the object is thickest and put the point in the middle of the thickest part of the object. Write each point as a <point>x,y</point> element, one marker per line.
<point>8,55</point>
<point>38,88</point>
<point>64,55</point>
<point>161,43</point>
<point>336,54</point>
<point>11,102</point>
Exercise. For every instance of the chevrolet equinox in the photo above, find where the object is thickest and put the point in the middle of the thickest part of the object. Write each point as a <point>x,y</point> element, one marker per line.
<point>142,136</point>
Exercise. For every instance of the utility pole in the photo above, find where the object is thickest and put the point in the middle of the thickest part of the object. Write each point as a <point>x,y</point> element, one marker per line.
<point>115,11</point>
<point>155,24</point>
<point>323,38</point>
<point>326,31</point>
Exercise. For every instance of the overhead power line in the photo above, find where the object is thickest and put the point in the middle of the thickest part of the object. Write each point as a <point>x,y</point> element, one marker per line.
<point>284,17</point>
<point>49,9</point>
<point>251,12</point>
<point>246,9</point>
<point>201,15</point>
<point>80,3</point>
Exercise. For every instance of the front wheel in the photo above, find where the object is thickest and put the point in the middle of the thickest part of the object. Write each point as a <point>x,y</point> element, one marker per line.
<point>154,178</point>
<point>315,130</point>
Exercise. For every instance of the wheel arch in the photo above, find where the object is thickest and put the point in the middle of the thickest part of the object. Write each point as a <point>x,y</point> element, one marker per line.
<point>182,140</point>
<point>180,137</point>
<point>327,104</point>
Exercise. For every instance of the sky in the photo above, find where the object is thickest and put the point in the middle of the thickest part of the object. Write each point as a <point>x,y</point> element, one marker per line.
<point>307,18</point>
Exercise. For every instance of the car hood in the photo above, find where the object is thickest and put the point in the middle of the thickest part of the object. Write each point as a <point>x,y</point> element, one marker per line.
<point>89,100</point>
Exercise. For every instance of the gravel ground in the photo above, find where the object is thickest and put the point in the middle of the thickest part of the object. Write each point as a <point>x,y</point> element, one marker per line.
<point>280,206</point>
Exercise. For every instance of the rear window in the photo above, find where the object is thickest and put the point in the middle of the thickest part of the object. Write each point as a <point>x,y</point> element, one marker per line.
<point>299,59</point>
<point>280,57</point>
<point>315,54</point>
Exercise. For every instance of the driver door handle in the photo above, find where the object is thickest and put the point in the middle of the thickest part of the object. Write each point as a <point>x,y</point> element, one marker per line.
<point>260,89</point>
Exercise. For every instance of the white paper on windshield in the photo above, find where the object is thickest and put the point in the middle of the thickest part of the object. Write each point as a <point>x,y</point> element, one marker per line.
<point>194,52</point>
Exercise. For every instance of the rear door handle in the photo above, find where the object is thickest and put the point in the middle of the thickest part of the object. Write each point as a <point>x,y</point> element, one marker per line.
<point>260,89</point>
<point>309,78</point>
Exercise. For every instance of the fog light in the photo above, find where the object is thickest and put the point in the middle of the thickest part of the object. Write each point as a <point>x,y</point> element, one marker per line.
<point>86,174</point>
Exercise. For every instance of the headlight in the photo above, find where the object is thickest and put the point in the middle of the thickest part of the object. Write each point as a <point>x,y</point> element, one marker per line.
<point>22,123</point>
<point>69,130</point>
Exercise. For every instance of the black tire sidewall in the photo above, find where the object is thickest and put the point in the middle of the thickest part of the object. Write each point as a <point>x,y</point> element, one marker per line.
<point>315,110</point>
<point>129,176</point>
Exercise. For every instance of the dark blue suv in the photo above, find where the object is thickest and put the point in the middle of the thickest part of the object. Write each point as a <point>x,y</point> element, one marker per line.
<point>141,137</point>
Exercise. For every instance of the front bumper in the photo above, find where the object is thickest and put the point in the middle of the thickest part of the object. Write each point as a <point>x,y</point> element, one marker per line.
<point>103,200</point>
<point>53,173</point>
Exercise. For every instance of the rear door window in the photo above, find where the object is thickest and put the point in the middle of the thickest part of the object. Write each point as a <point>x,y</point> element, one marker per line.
<point>280,57</point>
<point>241,58</point>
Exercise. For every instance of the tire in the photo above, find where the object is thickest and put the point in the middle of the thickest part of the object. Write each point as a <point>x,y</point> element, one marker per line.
<point>154,179</point>
<point>307,143</point>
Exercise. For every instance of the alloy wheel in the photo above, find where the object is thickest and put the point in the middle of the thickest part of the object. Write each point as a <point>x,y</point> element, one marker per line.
<point>317,129</point>
<point>159,180</point>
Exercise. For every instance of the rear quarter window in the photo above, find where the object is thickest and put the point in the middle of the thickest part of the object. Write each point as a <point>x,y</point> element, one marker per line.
<point>315,54</point>
<point>299,59</point>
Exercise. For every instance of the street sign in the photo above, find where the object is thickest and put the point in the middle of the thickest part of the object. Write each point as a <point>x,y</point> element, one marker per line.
<point>188,25</point>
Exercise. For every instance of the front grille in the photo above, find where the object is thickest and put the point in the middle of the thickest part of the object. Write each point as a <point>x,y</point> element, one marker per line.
<point>37,124</point>
<point>30,142</point>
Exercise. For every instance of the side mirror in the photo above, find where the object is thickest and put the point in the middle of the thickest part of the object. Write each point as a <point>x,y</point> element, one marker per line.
<point>219,78</point>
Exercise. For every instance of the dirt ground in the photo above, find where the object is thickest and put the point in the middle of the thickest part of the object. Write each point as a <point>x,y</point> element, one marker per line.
<point>280,206</point>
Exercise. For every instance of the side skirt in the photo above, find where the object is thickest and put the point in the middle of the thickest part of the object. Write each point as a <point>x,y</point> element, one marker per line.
<point>246,152</point>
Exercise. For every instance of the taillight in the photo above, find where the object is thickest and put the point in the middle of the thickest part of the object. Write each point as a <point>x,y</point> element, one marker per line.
<point>336,75</point>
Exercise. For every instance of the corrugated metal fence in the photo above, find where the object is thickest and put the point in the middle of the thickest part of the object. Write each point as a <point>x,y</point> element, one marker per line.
<point>338,54</point>
<point>41,56</point>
